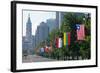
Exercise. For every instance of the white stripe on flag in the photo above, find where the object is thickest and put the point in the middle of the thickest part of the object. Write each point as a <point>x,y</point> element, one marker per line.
<point>60,43</point>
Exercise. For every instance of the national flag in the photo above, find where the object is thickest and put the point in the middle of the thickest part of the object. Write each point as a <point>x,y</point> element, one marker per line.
<point>80,31</point>
<point>50,48</point>
<point>58,42</point>
<point>46,49</point>
<point>69,36</point>
<point>66,38</point>
<point>41,50</point>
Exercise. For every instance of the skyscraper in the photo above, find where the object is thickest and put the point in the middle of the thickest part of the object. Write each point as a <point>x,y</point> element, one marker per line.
<point>57,19</point>
<point>51,24</point>
<point>42,32</point>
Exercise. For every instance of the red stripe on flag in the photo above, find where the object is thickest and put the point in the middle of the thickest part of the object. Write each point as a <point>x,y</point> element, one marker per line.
<point>46,49</point>
<point>57,42</point>
<point>69,38</point>
<point>81,33</point>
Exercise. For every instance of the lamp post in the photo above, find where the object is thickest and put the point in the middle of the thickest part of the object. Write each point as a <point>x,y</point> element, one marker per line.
<point>86,17</point>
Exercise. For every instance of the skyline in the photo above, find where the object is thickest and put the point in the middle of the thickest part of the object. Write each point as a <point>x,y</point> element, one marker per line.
<point>40,16</point>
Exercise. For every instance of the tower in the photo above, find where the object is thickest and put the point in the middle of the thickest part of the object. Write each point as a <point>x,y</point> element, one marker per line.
<point>29,29</point>
<point>29,35</point>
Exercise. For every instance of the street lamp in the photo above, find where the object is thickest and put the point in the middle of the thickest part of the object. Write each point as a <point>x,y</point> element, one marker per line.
<point>85,17</point>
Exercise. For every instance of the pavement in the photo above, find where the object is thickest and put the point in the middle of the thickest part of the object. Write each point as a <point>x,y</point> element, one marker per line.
<point>35,58</point>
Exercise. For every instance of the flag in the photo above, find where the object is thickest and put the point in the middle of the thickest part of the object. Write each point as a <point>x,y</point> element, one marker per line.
<point>69,38</point>
<point>80,32</point>
<point>46,49</point>
<point>66,38</point>
<point>41,50</point>
<point>50,48</point>
<point>58,42</point>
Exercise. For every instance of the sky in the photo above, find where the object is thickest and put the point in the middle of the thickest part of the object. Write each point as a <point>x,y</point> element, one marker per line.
<point>36,18</point>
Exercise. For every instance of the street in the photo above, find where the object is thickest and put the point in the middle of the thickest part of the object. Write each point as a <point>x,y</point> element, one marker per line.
<point>35,58</point>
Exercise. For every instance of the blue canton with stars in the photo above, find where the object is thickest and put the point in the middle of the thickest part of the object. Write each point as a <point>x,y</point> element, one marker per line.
<point>77,26</point>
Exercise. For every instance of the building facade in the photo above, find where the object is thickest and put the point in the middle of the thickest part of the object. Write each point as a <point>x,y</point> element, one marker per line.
<point>27,43</point>
<point>42,32</point>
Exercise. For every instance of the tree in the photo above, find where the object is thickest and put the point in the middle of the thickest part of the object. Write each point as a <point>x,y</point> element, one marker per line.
<point>76,48</point>
<point>81,48</point>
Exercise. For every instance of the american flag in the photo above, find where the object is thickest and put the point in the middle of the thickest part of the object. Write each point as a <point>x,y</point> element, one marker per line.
<point>80,31</point>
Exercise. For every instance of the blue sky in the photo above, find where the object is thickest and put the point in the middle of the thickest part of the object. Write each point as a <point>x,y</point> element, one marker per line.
<point>36,18</point>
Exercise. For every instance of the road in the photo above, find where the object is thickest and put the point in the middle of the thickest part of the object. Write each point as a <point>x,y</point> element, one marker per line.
<point>35,58</point>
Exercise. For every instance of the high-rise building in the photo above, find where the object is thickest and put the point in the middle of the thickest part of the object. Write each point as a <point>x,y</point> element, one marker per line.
<point>42,32</point>
<point>57,19</point>
<point>37,36</point>
<point>51,24</point>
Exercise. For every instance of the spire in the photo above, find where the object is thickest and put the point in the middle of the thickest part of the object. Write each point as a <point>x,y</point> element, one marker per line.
<point>28,15</point>
<point>29,20</point>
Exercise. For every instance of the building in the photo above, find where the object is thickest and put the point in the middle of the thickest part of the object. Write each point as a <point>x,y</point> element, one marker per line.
<point>51,24</point>
<point>27,43</point>
<point>37,36</point>
<point>57,19</point>
<point>42,32</point>
<point>55,23</point>
<point>29,30</point>
<point>30,42</point>
<point>33,42</point>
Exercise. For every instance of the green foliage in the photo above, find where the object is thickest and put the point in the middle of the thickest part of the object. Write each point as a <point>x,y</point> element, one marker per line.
<point>77,48</point>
